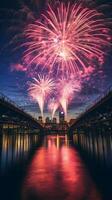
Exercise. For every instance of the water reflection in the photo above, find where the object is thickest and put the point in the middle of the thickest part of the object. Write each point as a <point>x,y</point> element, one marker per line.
<point>97,145</point>
<point>56,172</point>
<point>15,147</point>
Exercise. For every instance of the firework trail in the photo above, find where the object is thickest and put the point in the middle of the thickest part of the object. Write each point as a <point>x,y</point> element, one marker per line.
<point>53,106</point>
<point>67,89</point>
<point>66,39</point>
<point>40,89</point>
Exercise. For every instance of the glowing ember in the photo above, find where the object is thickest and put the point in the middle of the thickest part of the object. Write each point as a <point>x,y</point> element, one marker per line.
<point>53,106</point>
<point>67,89</point>
<point>40,89</point>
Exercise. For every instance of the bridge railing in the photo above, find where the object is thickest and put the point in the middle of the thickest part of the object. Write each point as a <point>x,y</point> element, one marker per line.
<point>98,99</point>
<point>6,99</point>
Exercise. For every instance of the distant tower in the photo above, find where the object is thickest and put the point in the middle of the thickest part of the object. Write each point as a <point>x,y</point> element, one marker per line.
<point>47,120</point>
<point>61,117</point>
<point>54,120</point>
<point>40,120</point>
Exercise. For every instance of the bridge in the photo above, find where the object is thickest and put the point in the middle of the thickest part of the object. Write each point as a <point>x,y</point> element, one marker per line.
<point>98,115</point>
<point>92,131</point>
<point>12,116</point>
<point>56,128</point>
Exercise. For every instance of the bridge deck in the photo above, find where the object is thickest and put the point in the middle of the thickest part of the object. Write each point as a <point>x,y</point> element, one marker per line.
<point>11,113</point>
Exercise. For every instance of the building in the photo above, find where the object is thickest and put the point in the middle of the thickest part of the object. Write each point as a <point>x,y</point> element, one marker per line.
<point>54,120</point>
<point>48,124</point>
<point>61,117</point>
<point>40,120</point>
<point>47,120</point>
<point>72,121</point>
<point>63,125</point>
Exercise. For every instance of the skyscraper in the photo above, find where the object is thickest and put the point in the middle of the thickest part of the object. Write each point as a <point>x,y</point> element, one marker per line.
<point>40,120</point>
<point>47,120</point>
<point>54,120</point>
<point>61,117</point>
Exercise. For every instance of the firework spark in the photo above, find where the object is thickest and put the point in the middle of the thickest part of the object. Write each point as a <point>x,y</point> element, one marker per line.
<point>40,89</point>
<point>66,39</point>
<point>53,106</point>
<point>67,89</point>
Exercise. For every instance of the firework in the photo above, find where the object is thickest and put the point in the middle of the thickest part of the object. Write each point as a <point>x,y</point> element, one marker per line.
<point>40,89</point>
<point>67,89</point>
<point>53,106</point>
<point>66,39</point>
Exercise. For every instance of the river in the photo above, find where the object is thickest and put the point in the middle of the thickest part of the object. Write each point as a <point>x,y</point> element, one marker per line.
<point>46,169</point>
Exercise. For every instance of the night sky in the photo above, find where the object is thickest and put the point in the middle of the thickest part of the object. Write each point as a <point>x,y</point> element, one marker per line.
<point>14,84</point>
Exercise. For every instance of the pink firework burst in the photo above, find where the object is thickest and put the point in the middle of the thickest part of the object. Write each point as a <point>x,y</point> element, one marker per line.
<point>66,38</point>
<point>53,106</point>
<point>40,89</point>
<point>67,88</point>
